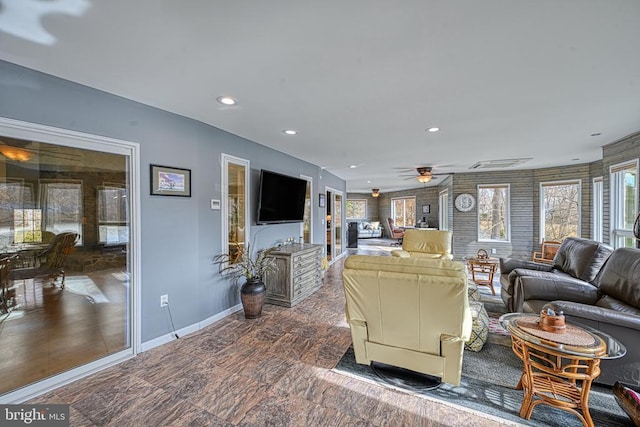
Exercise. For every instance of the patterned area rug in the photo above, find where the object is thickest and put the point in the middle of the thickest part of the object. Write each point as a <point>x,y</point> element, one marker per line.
<point>488,386</point>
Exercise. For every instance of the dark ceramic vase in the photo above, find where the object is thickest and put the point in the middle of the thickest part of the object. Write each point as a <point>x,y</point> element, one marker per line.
<point>252,294</point>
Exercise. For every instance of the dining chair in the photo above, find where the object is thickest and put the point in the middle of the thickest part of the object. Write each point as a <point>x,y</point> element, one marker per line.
<point>49,262</point>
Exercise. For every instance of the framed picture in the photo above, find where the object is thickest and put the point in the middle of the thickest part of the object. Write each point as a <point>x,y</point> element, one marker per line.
<point>321,200</point>
<point>426,209</point>
<point>168,181</point>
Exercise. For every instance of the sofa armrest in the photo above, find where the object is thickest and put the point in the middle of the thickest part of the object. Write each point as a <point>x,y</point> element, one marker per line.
<point>551,287</point>
<point>507,265</point>
<point>401,253</point>
<point>594,313</point>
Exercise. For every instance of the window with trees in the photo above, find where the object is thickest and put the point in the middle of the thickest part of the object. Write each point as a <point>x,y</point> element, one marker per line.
<point>493,213</point>
<point>403,211</point>
<point>624,203</point>
<point>559,210</point>
<point>356,208</point>
<point>19,222</point>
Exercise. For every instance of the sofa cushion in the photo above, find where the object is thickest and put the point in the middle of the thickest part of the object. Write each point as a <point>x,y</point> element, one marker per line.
<point>581,258</point>
<point>620,276</point>
<point>617,305</point>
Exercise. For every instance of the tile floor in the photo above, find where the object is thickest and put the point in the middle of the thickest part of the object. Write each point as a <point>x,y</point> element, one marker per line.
<point>272,371</point>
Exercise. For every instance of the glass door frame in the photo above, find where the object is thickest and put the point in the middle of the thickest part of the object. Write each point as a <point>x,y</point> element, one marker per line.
<point>30,131</point>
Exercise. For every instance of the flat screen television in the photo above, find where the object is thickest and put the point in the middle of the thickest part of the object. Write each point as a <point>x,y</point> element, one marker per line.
<point>281,198</point>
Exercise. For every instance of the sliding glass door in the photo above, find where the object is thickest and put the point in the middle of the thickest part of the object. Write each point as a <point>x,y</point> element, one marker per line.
<point>63,306</point>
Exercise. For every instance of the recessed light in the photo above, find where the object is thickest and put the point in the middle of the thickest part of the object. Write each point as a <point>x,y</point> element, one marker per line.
<point>227,100</point>
<point>353,166</point>
<point>433,129</point>
<point>290,132</point>
<point>596,134</point>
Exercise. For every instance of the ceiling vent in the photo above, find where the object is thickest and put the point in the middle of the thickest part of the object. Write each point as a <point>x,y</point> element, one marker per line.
<point>498,164</point>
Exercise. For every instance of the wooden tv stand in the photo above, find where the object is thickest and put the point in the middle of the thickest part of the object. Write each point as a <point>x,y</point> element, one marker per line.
<point>299,274</point>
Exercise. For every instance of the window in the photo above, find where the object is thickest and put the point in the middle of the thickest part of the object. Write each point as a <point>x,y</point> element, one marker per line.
<point>624,203</point>
<point>403,211</point>
<point>16,219</point>
<point>306,226</point>
<point>113,228</point>
<point>356,208</point>
<point>598,209</point>
<point>27,225</point>
<point>559,210</point>
<point>61,203</point>
<point>493,213</point>
<point>235,190</point>
<point>443,208</point>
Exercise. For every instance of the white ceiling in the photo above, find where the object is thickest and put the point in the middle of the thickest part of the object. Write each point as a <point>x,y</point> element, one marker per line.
<point>360,80</point>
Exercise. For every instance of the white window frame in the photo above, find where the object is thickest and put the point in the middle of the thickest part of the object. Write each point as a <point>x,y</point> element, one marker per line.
<point>443,210</point>
<point>617,232</point>
<point>404,198</point>
<point>597,230</point>
<point>542,221</point>
<point>507,213</point>
<point>366,208</point>
<point>226,160</point>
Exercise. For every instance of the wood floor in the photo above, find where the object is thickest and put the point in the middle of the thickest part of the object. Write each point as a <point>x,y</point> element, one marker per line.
<point>272,371</point>
<point>53,330</point>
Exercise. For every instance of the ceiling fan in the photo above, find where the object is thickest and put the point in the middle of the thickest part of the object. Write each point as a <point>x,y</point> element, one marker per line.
<point>424,174</point>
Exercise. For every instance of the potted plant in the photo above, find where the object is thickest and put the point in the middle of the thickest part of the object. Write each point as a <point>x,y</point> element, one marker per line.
<point>243,264</point>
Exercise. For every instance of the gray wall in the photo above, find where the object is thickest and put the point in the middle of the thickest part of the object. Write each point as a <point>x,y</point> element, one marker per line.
<point>179,235</point>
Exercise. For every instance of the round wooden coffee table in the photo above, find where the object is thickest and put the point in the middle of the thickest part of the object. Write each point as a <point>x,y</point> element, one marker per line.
<point>558,368</point>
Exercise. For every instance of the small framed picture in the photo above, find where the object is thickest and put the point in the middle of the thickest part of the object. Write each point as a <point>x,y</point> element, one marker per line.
<point>321,200</point>
<point>426,209</point>
<point>169,181</point>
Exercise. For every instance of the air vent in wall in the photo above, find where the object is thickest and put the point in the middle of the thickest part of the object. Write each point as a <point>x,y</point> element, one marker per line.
<point>497,164</point>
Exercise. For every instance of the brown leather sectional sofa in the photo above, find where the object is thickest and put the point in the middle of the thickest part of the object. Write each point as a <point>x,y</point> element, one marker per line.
<point>592,285</point>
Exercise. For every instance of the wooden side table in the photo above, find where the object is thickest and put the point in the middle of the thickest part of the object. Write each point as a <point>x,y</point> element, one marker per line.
<point>485,268</point>
<point>558,369</point>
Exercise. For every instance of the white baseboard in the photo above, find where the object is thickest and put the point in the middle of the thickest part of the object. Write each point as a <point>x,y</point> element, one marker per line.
<point>163,339</point>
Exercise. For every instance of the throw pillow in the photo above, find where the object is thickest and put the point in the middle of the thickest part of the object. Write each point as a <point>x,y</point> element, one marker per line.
<point>629,401</point>
<point>375,225</point>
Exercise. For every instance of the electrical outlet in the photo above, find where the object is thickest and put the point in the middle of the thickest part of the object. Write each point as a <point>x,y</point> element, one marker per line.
<point>164,300</point>
<point>493,251</point>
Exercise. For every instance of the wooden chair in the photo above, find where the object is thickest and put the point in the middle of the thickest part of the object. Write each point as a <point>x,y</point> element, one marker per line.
<point>50,262</point>
<point>6,294</point>
<point>547,252</point>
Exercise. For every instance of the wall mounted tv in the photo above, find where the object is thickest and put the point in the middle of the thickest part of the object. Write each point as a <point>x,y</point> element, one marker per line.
<point>281,198</point>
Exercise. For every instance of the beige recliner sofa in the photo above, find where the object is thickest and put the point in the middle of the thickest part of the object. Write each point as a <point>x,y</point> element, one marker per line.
<point>435,244</point>
<point>409,313</point>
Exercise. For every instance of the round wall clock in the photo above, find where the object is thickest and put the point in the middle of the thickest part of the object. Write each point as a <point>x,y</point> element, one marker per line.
<point>465,202</point>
